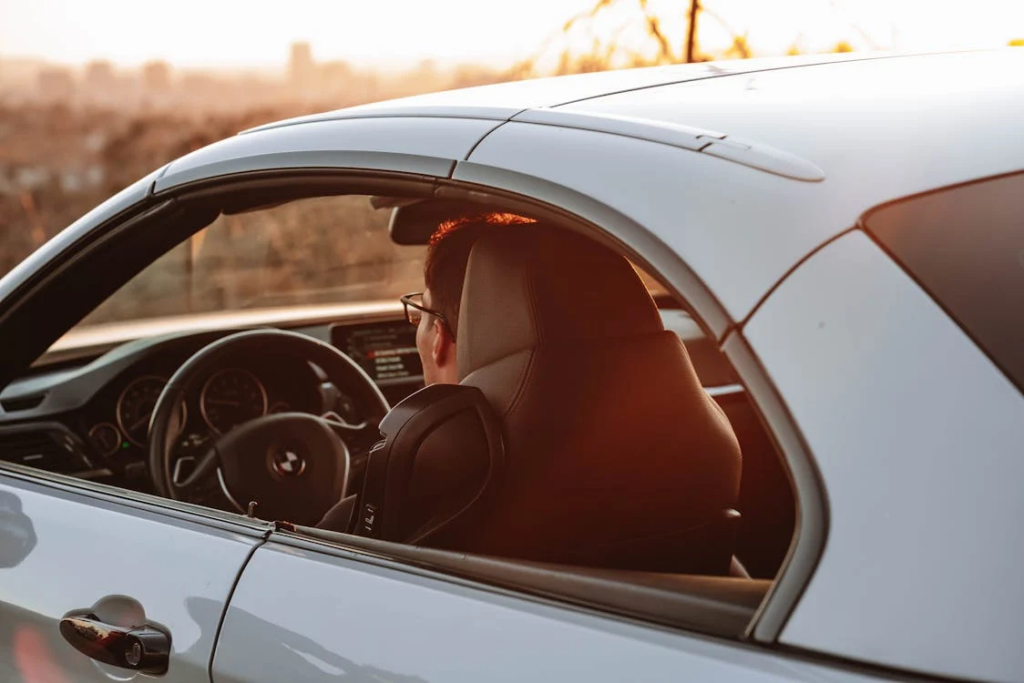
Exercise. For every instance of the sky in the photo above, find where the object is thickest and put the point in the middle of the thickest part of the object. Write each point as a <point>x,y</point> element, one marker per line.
<point>257,33</point>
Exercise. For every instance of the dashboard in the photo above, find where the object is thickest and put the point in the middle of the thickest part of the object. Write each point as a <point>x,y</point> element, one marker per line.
<point>91,419</point>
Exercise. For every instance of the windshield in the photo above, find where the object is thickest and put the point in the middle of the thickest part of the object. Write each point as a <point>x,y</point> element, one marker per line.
<point>320,251</point>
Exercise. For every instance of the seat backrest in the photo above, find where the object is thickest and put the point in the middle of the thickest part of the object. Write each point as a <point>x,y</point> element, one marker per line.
<point>441,459</point>
<point>611,442</point>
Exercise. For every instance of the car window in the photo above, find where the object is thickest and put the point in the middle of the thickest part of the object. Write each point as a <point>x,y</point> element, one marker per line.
<point>325,250</point>
<point>318,251</point>
<point>965,245</point>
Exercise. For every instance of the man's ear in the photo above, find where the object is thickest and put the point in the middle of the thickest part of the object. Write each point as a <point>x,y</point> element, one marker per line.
<point>443,348</point>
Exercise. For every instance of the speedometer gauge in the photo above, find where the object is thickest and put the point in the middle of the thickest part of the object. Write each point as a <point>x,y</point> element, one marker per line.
<point>231,397</point>
<point>135,407</point>
<point>105,438</point>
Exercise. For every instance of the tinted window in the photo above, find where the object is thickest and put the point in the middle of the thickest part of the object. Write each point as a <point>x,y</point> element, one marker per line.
<point>965,245</point>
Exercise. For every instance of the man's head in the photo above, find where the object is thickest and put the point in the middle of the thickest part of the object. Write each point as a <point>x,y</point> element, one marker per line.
<point>444,273</point>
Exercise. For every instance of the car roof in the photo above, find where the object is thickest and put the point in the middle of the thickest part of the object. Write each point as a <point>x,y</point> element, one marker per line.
<point>858,114</point>
<point>504,100</point>
<point>933,119</point>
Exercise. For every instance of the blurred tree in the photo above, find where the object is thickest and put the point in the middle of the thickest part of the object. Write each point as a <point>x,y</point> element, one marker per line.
<point>575,47</point>
<point>797,46</point>
<point>691,33</point>
<point>612,51</point>
<point>739,48</point>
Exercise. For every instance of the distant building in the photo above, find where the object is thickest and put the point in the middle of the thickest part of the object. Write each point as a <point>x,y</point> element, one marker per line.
<point>56,84</point>
<point>301,67</point>
<point>100,83</point>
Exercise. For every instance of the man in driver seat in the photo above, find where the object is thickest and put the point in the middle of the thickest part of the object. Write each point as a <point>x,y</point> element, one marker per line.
<point>435,310</point>
<point>615,455</point>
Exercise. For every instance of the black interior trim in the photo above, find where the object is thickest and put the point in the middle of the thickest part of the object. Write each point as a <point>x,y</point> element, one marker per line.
<point>46,309</point>
<point>715,605</point>
<point>256,190</point>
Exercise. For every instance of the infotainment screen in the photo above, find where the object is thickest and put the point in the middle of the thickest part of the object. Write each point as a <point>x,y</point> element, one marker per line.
<point>386,351</point>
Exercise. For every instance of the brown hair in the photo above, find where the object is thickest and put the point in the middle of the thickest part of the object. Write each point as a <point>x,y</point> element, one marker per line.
<point>444,271</point>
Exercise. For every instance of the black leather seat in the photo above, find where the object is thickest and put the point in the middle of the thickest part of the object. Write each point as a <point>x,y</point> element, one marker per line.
<point>614,455</point>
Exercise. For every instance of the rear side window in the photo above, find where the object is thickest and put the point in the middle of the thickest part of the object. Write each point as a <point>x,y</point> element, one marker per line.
<point>965,245</point>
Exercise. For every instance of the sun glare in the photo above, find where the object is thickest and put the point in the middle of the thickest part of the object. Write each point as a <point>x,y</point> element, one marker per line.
<point>395,32</point>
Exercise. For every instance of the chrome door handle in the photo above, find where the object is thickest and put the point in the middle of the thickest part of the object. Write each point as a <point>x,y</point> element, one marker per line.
<point>142,648</point>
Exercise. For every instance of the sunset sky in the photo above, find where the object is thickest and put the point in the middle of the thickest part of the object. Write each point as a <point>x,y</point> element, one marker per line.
<point>257,33</point>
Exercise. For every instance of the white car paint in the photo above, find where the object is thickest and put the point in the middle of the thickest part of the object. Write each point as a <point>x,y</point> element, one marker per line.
<point>330,616</point>
<point>413,145</point>
<point>909,423</point>
<point>87,550</point>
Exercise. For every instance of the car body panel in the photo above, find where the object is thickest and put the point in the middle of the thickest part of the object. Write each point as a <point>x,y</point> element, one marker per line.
<point>82,550</point>
<point>421,145</point>
<point>713,143</point>
<point>916,122</point>
<point>917,436</point>
<point>308,616</point>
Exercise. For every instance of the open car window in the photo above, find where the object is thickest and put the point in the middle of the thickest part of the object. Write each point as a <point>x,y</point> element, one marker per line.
<point>308,252</point>
<point>324,250</point>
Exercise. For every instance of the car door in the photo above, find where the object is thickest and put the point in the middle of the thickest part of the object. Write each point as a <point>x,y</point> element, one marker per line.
<point>307,612</point>
<point>109,561</point>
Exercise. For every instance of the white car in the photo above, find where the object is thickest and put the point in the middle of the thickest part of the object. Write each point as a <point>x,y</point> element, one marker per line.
<point>195,371</point>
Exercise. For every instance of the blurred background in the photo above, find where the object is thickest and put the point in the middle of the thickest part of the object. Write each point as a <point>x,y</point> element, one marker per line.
<point>94,95</point>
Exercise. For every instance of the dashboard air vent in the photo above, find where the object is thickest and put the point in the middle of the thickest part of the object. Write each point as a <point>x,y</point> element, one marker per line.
<point>45,450</point>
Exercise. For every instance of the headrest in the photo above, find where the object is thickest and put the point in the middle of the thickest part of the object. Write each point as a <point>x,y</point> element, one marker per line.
<point>530,285</point>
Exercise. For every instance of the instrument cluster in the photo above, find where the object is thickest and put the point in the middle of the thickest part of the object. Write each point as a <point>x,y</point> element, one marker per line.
<point>227,398</point>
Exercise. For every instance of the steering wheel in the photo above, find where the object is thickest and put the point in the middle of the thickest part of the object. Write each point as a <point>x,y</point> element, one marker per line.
<point>295,465</point>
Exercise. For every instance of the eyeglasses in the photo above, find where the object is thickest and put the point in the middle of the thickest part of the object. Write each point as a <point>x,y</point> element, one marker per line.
<point>414,310</point>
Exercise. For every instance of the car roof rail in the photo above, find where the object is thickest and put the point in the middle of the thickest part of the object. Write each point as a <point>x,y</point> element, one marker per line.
<point>752,154</point>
